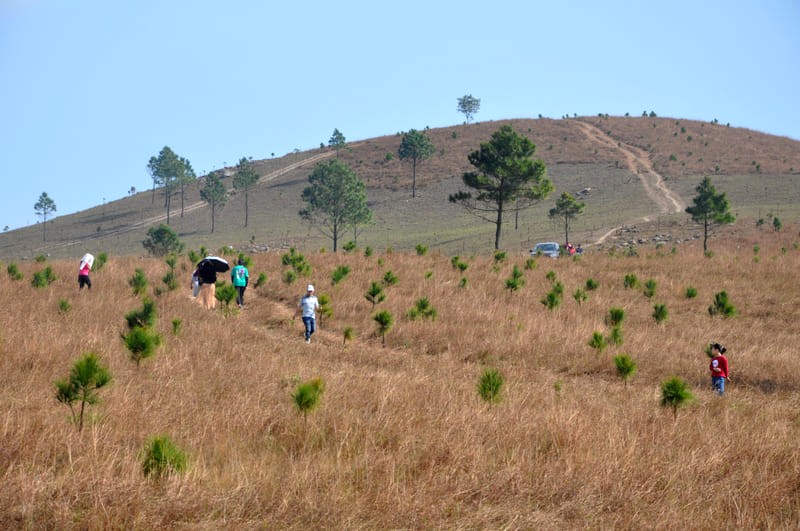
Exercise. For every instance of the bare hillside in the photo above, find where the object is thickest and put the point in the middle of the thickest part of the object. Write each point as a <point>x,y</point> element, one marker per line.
<point>637,171</point>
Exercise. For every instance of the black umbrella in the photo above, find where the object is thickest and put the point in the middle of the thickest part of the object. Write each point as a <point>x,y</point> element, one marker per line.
<point>220,265</point>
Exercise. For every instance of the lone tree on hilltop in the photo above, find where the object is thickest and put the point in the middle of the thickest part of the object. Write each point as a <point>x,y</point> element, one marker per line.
<point>567,208</point>
<point>214,194</point>
<point>469,106</point>
<point>506,175</point>
<point>43,208</point>
<point>243,179</point>
<point>415,146</point>
<point>336,199</point>
<point>709,208</point>
<point>337,141</point>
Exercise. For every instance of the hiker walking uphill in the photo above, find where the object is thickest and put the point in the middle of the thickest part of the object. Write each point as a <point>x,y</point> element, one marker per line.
<point>207,270</point>
<point>240,277</point>
<point>83,271</point>
<point>308,306</point>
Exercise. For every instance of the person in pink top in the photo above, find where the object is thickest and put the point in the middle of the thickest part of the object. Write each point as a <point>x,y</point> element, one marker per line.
<point>83,275</point>
<point>719,368</point>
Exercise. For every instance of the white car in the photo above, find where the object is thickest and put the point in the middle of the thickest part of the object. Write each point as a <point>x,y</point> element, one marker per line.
<point>551,249</point>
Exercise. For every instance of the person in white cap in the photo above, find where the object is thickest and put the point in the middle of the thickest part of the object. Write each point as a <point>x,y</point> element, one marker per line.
<point>308,306</point>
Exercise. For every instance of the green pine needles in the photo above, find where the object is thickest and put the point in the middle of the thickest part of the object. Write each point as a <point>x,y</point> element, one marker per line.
<point>85,378</point>
<point>489,386</point>
<point>161,456</point>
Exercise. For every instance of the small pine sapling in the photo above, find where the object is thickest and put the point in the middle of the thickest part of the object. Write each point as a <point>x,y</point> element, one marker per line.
<point>490,383</point>
<point>675,393</point>
<point>85,378</point>
<point>161,456</point>
<point>626,367</point>
<point>598,342</point>
<point>385,321</point>
<point>660,313</point>
<point>375,294</point>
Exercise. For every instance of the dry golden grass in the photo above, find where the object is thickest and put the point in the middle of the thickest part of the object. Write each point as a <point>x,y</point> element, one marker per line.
<point>401,439</point>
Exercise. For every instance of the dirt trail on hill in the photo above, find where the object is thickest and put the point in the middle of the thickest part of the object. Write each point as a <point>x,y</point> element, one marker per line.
<point>194,206</point>
<point>638,162</point>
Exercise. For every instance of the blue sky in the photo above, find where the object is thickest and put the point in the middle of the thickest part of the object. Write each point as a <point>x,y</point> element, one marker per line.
<point>90,90</point>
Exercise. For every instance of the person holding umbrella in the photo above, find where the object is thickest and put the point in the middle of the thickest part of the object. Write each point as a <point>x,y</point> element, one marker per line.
<point>207,270</point>
<point>308,306</point>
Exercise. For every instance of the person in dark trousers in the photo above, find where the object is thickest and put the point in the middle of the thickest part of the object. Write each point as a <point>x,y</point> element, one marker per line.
<point>309,304</point>
<point>240,278</point>
<point>83,273</point>
<point>719,368</point>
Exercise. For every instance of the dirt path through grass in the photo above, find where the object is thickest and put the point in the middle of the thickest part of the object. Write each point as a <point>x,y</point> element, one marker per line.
<point>637,162</point>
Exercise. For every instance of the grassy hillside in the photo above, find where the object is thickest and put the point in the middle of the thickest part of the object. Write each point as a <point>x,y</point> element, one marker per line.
<point>401,438</point>
<point>612,156</point>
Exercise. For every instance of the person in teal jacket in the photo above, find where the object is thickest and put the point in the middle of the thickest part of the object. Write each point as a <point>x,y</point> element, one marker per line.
<point>240,277</point>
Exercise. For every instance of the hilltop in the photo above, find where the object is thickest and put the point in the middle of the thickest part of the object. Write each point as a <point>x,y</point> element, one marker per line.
<point>638,173</point>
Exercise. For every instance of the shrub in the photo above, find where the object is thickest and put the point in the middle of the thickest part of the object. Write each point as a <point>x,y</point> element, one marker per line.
<point>226,293</point>
<point>631,281</point>
<point>500,256</point>
<point>289,277</point>
<point>339,274</point>
<point>516,281</point>
<point>579,296</point>
<point>660,313</point>
<point>261,280</point>
<point>141,344</point>
<point>325,308</point>
<point>40,258</point>
<point>674,394</point>
<point>368,251</point>
<point>721,306</point>
<point>463,282</point>
<point>43,278</point>
<point>421,249</point>
<point>13,271</point>
<point>160,456</point>
<point>550,275</point>
<point>85,378</point>
<point>138,282</point>
<point>297,262</point>
<point>591,284</point>
<point>144,318</point>
<point>349,246</point>
<point>375,294</point>
<point>385,321</point>
<point>64,306</point>
<point>691,292</point>
<point>422,308</point>
<point>347,334</point>
<point>162,240</point>
<point>306,396</point>
<point>626,367</point>
<point>530,264</point>
<point>100,261</point>
<point>176,326</point>
<point>389,279</point>
<point>616,335</point>
<point>598,342</point>
<point>551,300</point>
<point>489,386</point>
<point>649,288</point>
<point>615,316</point>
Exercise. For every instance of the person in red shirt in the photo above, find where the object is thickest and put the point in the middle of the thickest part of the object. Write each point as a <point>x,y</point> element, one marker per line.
<point>719,368</point>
